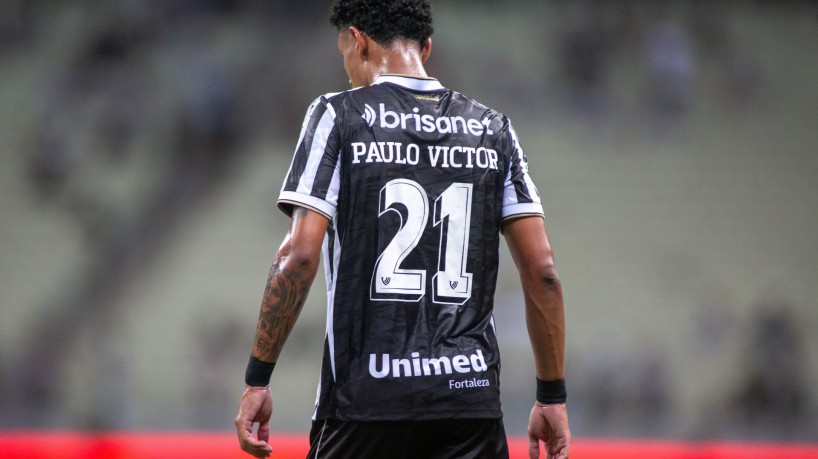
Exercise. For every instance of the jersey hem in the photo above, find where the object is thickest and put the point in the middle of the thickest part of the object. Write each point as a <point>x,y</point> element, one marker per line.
<point>413,416</point>
<point>292,198</point>
<point>522,209</point>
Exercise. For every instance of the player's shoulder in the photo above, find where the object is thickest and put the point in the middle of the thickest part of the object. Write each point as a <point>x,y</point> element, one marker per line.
<point>334,102</point>
<point>476,104</point>
<point>463,98</point>
<point>497,120</point>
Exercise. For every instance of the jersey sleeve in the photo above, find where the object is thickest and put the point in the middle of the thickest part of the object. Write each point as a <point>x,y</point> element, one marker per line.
<point>520,195</point>
<point>314,175</point>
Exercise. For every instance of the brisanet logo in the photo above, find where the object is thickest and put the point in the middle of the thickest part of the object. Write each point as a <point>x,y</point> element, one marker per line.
<point>425,123</point>
<point>369,115</point>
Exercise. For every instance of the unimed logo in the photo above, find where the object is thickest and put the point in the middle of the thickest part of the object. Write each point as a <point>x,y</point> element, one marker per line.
<point>388,119</point>
<point>417,366</point>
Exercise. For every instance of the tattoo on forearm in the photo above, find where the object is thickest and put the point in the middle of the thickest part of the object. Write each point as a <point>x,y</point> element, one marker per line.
<point>284,297</point>
<point>263,345</point>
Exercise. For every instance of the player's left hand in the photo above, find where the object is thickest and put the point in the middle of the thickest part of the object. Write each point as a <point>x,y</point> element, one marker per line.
<point>256,406</point>
<point>549,424</point>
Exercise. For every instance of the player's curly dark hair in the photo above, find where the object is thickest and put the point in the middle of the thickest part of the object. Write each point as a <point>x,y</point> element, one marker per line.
<point>385,20</point>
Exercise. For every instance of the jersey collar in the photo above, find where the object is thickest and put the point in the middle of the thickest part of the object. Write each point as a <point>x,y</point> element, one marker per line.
<point>410,82</point>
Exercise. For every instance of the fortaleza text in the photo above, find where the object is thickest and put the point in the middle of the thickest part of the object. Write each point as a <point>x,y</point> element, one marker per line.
<point>467,383</point>
<point>446,156</point>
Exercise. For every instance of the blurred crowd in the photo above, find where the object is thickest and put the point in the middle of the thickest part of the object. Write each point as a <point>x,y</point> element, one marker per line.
<point>619,390</point>
<point>189,86</point>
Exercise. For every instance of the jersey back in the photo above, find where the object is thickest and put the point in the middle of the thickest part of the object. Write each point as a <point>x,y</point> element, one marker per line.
<point>416,180</point>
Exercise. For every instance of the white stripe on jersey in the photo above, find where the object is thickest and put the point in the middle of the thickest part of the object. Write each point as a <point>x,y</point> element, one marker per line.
<point>331,276</point>
<point>319,143</point>
<point>334,185</point>
<point>511,204</point>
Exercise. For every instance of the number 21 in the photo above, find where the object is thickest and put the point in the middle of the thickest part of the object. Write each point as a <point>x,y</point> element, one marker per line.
<point>451,284</point>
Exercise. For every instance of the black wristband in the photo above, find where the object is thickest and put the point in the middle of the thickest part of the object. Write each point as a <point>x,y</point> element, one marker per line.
<point>258,373</point>
<point>551,392</point>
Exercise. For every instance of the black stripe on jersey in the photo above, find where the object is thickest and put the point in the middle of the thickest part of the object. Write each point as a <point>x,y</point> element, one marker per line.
<point>302,152</point>
<point>517,169</point>
<point>331,249</point>
<point>327,167</point>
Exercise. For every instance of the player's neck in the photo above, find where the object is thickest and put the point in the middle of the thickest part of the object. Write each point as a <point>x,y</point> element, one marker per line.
<point>401,66</point>
<point>402,58</point>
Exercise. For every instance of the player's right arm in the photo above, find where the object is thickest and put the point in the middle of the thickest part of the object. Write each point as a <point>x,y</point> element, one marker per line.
<point>545,319</point>
<point>288,284</point>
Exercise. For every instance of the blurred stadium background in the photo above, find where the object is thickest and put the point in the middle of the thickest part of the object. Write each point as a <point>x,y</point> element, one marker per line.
<point>143,143</point>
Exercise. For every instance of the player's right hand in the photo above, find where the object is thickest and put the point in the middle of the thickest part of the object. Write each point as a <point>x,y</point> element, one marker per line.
<point>256,406</point>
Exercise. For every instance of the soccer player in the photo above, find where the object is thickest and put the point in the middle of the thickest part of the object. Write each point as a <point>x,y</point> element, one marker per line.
<point>406,186</point>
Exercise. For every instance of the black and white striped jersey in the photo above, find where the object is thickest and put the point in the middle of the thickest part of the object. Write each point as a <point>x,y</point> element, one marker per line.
<point>416,180</point>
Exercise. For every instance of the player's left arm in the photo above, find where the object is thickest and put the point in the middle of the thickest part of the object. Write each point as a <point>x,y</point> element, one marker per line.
<point>545,311</point>
<point>545,319</point>
<point>291,275</point>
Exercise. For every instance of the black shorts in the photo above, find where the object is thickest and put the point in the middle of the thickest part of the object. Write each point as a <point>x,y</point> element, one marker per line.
<point>439,439</point>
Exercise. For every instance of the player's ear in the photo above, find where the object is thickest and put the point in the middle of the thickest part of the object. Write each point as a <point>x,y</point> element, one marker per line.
<point>361,41</point>
<point>426,50</point>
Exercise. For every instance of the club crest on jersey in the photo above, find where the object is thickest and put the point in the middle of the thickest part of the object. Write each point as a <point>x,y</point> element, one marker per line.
<point>386,280</point>
<point>453,284</point>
